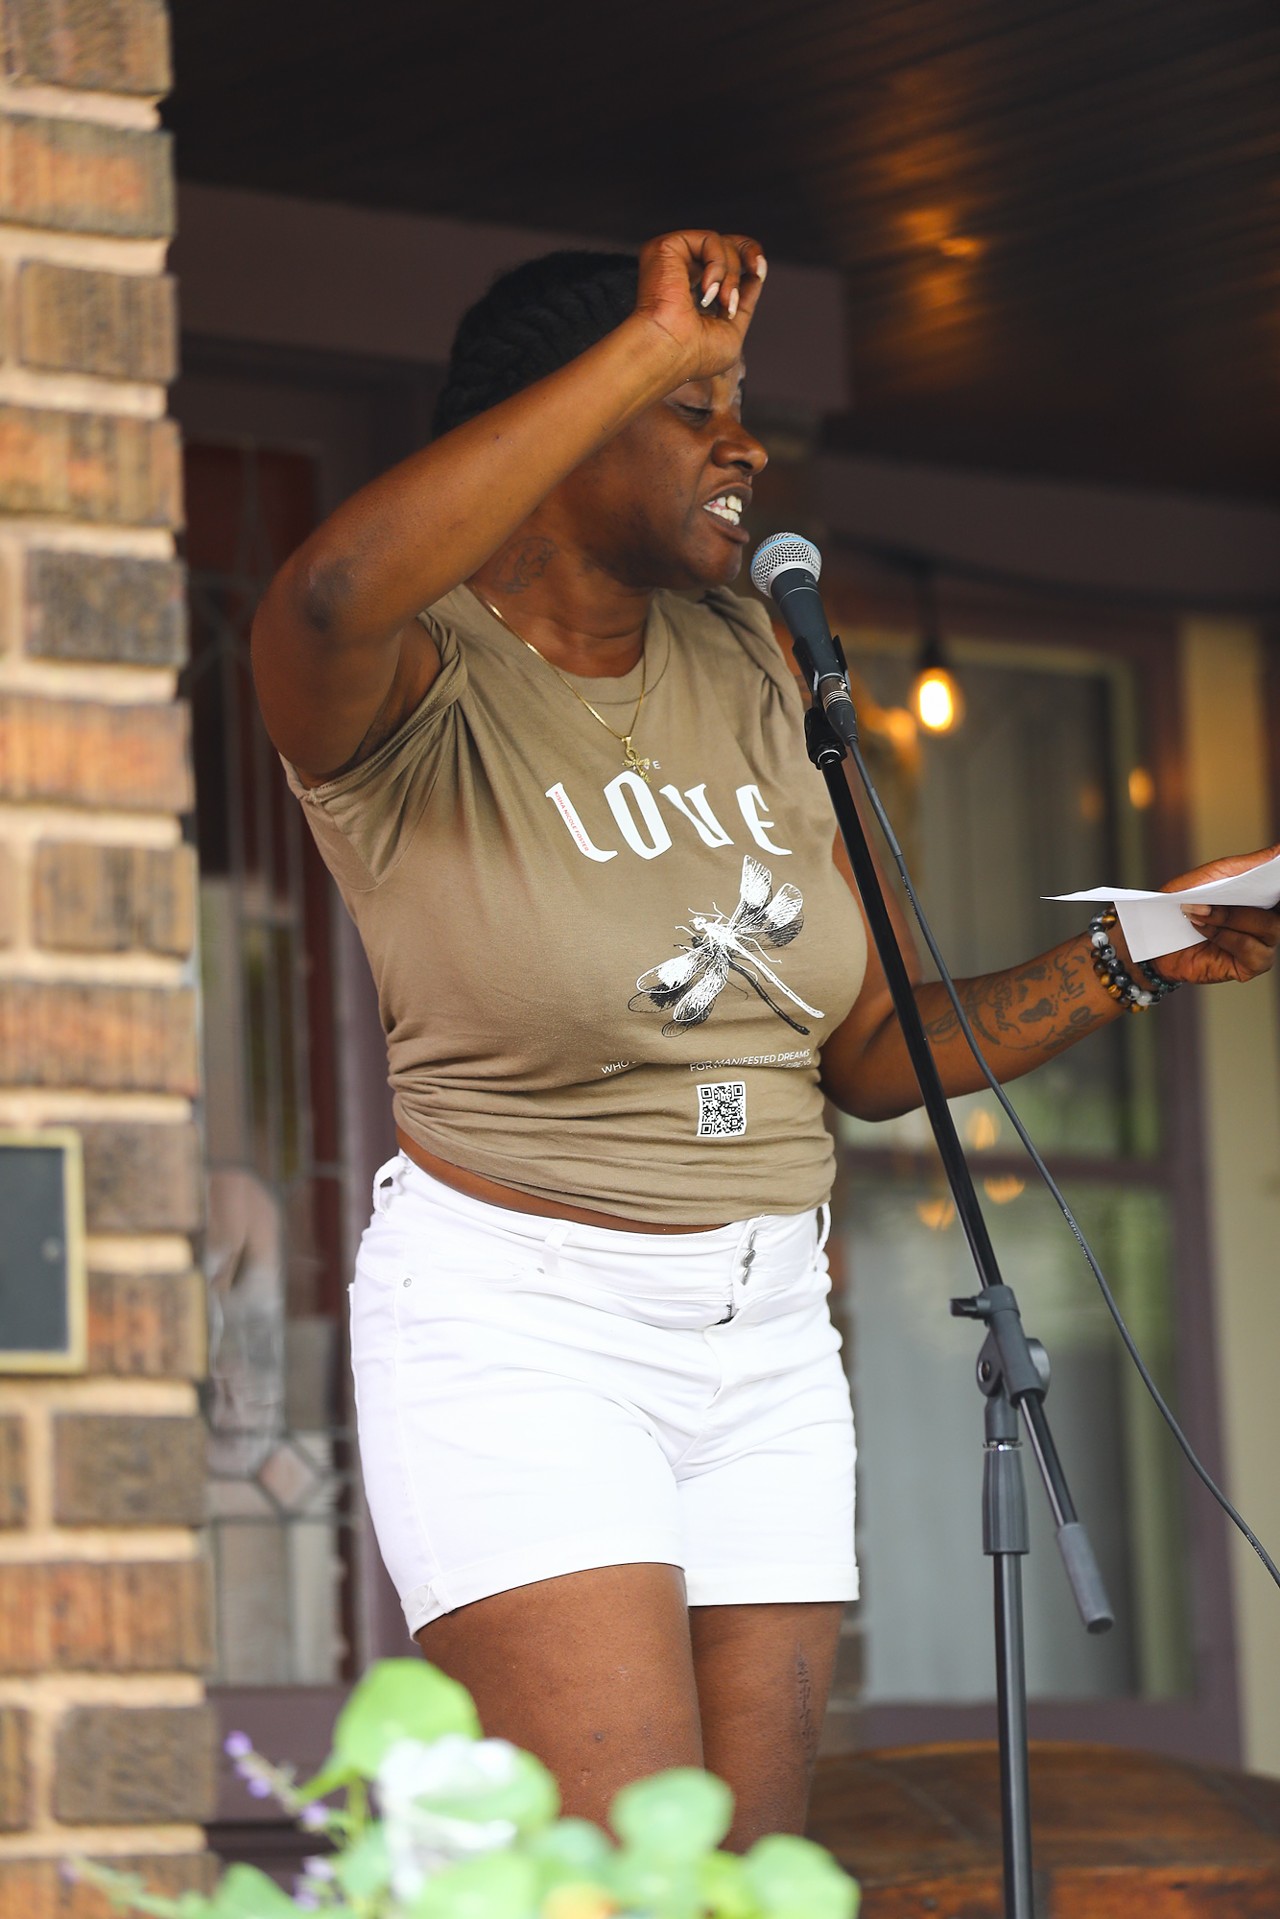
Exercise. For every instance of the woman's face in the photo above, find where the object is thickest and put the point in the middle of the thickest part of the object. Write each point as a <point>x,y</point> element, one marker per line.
<point>665,502</point>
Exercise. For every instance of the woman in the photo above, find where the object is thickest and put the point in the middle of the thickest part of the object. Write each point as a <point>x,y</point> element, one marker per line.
<point>605,1431</point>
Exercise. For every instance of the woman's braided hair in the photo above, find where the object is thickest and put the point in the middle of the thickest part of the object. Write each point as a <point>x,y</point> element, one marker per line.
<point>532,320</point>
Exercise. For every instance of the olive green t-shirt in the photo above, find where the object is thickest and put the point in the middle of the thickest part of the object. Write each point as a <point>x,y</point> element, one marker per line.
<point>597,990</point>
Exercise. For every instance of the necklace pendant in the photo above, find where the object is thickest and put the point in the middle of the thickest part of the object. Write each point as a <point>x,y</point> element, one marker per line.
<point>636,763</point>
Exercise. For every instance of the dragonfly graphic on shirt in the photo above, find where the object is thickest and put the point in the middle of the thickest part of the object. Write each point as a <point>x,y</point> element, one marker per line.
<point>689,984</point>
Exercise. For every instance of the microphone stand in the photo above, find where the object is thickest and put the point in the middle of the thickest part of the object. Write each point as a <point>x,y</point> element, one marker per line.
<point>1012,1370</point>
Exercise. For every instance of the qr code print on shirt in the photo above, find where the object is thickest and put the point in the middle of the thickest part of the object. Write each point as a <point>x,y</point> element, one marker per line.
<point>722,1110</point>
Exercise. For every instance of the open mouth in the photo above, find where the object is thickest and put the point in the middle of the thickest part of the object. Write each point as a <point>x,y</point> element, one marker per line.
<point>727,507</point>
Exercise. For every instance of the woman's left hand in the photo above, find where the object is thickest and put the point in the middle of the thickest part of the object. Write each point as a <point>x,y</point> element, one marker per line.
<point>1240,941</point>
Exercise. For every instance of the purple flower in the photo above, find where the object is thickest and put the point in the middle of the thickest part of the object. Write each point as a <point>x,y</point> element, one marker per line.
<point>258,1788</point>
<point>315,1817</point>
<point>237,1745</point>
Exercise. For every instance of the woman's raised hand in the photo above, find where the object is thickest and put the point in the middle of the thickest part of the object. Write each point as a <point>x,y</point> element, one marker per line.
<point>1239,942</point>
<point>701,288</point>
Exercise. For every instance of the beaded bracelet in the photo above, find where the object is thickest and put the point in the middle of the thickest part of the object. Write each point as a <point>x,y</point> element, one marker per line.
<point>1109,967</point>
<point>1160,987</point>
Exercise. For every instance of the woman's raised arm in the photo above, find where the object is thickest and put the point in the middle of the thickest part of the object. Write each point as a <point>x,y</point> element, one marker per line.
<point>338,655</point>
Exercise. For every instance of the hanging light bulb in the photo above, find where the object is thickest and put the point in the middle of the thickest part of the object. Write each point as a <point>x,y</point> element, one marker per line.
<point>936,699</point>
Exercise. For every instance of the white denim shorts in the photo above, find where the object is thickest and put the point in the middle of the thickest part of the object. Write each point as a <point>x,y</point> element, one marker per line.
<point>536,1397</point>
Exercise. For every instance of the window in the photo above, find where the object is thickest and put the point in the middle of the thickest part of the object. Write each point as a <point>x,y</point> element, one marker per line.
<point>280,1465</point>
<point>1045,788</point>
<point>297,1116</point>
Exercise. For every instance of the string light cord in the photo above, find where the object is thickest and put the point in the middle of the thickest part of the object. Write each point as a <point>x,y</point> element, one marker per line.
<point>1201,1471</point>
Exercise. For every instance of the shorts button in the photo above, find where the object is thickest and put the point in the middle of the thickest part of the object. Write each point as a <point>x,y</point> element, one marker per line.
<point>408,1282</point>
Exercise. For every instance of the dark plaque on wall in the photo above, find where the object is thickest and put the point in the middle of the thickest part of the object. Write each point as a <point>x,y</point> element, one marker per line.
<point>42,1265</point>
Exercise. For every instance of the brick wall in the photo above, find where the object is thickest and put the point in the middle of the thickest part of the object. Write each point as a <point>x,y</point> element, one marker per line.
<point>105,1741</point>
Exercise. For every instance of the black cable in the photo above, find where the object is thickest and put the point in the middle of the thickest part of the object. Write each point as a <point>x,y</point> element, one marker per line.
<point>1201,1471</point>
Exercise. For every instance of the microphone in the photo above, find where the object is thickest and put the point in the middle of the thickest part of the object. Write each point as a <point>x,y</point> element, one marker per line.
<point>787,568</point>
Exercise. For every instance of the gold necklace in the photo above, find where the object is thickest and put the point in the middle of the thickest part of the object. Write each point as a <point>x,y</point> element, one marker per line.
<point>635,762</point>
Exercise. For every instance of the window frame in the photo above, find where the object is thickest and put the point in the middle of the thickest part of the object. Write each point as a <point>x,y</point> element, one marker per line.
<point>1205,1724</point>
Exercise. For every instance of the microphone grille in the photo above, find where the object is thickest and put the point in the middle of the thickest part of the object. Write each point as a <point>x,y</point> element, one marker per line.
<point>780,551</point>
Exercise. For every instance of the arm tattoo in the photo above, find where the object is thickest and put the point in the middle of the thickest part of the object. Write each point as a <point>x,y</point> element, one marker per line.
<point>1037,1008</point>
<point>524,563</point>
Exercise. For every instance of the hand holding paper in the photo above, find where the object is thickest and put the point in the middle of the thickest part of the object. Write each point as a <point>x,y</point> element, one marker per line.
<point>1155,924</point>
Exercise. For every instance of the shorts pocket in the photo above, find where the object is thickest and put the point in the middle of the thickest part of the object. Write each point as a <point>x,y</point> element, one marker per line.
<point>379,1256</point>
<point>460,1271</point>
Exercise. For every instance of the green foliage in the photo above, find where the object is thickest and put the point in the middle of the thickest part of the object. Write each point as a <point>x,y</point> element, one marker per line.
<point>363,1870</point>
<point>246,1893</point>
<point>794,1879</point>
<point>570,1850</point>
<point>676,1815</point>
<point>397,1699</point>
<point>501,1885</point>
<point>468,1830</point>
<point>724,1889</point>
<point>529,1798</point>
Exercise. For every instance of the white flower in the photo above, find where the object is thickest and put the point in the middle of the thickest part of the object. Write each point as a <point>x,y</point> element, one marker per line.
<point>421,1837</point>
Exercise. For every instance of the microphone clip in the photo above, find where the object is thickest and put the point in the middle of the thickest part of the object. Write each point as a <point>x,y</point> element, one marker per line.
<point>821,742</point>
<point>822,687</point>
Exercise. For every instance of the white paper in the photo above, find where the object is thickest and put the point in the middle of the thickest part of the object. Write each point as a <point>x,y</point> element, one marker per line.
<point>1154,923</point>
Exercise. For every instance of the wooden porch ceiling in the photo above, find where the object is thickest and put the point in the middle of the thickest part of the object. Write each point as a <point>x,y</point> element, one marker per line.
<point>1059,219</point>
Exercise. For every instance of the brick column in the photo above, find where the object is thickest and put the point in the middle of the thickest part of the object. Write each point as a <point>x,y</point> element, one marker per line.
<point>106,1745</point>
